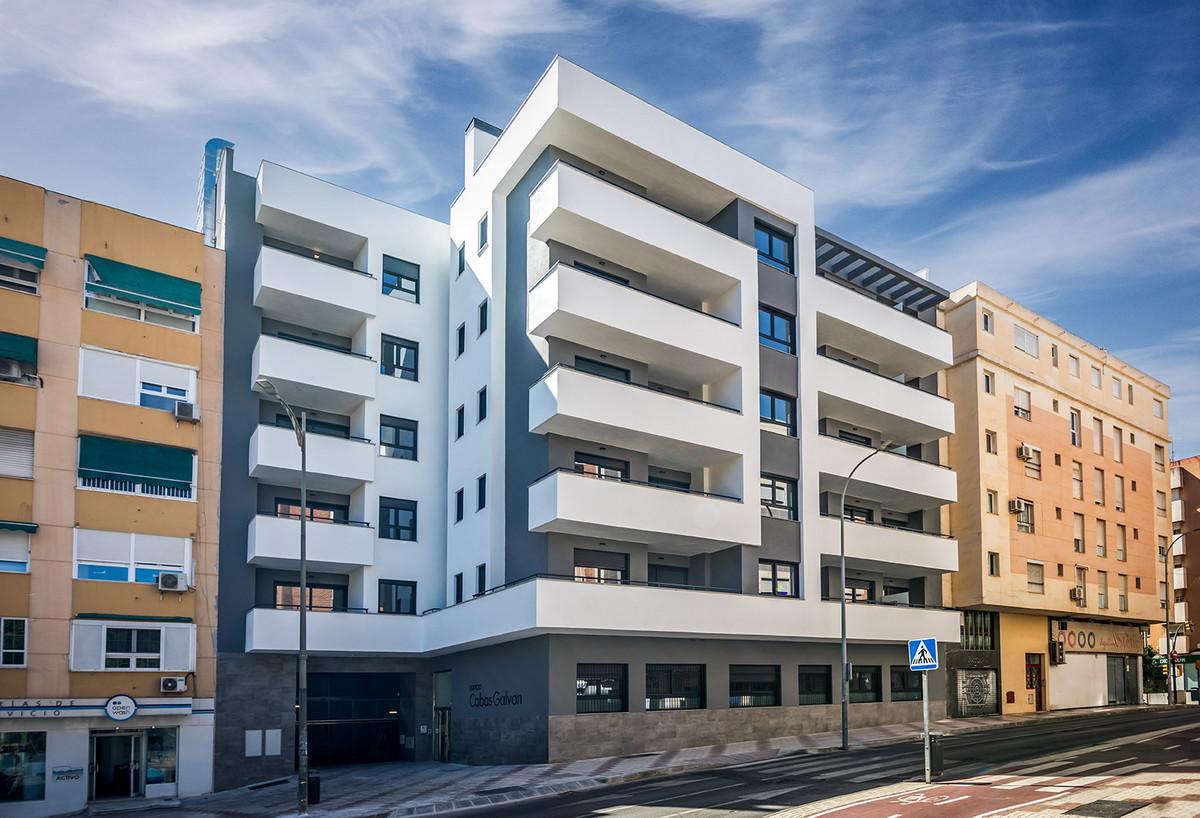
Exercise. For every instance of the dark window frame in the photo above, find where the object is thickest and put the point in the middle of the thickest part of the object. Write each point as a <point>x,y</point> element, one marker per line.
<point>793,589</point>
<point>775,400</point>
<point>776,240</point>
<point>594,674</point>
<point>905,684</point>
<point>389,530</point>
<point>861,673</point>
<point>754,688</point>
<point>388,363</point>
<point>460,340</point>
<point>812,693</point>
<point>395,449</point>
<point>481,405</point>
<point>395,280</point>
<point>774,484</point>
<point>482,317</point>
<point>676,687</point>
<point>460,504</point>
<point>460,421</point>
<point>771,339</point>
<point>481,492</point>
<point>397,583</point>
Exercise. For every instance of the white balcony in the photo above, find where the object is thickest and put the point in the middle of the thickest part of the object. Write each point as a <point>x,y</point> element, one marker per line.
<point>274,542</point>
<point>591,214</point>
<point>577,306</point>
<point>540,606</point>
<point>899,343</point>
<point>892,479</point>
<point>683,432</point>
<point>311,293</point>
<point>1179,578</point>
<point>312,376</point>
<point>883,548</point>
<point>1180,612</point>
<point>898,412</point>
<point>335,464</point>
<point>312,212</point>
<point>677,522</point>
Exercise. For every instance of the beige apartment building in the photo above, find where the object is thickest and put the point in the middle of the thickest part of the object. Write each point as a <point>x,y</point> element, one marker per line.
<point>110,397</point>
<point>1184,552</point>
<point>1061,452</point>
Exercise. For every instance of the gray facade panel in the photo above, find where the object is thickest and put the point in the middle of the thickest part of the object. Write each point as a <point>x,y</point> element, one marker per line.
<point>778,371</point>
<point>779,454</point>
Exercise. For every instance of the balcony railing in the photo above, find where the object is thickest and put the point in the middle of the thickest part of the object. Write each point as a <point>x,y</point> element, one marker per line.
<point>647,293</point>
<point>323,432</point>
<point>893,454</point>
<point>1022,413</point>
<point>888,603</point>
<point>892,525</point>
<point>643,387</point>
<point>134,485</point>
<point>284,515</point>
<point>309,342</point>
<point>630,481</point>
<point>861,368</point>
<point>312,255</point>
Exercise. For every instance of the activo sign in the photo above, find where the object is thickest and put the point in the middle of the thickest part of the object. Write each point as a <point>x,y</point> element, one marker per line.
<point>497,698</point>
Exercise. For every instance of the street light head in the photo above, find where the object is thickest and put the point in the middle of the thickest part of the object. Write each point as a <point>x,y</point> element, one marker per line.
<point>266,386</point>
<point>887,444</point>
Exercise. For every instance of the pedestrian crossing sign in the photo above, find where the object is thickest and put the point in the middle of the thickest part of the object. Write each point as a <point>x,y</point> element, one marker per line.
<point>922,654</point>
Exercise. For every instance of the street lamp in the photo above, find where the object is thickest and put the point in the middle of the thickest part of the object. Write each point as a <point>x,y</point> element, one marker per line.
<point>842,559</point>
<point>1167,605</point>
<point>300,427</point>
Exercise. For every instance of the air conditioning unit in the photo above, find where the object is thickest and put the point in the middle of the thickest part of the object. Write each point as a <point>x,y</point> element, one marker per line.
<point>1015,507</point>
<point>1024,453</point>
<point>187,411</point>
<point>1078,594</point>
<point>172,581</point>
<point>10,370</point>
<point>172,684</point>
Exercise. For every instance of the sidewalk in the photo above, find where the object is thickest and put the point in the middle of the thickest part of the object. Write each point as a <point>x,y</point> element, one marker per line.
<point>404,789</point>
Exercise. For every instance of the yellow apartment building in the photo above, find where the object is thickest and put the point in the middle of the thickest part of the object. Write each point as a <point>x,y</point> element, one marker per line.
<point>110,440</point>
<point>1061,452</point>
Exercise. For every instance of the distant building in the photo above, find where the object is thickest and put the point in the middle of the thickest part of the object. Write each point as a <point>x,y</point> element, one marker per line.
<point>1062,517</point>
<point>110,430</point>
<point>1185,573</point>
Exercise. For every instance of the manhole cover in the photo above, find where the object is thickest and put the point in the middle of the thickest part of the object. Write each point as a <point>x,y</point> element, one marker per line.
<point>1107,809</point>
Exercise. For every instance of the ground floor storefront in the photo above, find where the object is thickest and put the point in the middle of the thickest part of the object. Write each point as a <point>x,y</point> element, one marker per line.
<point>551,698</point>
<point>57,756</point>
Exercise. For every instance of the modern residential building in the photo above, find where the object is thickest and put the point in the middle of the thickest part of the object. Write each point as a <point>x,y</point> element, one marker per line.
<point>110,425</point>
<point>1185,572</point>
<point>536,534</point>
<point>1061,457</point>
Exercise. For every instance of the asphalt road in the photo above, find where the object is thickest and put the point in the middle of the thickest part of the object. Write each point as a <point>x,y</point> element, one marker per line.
<point>991,771</point>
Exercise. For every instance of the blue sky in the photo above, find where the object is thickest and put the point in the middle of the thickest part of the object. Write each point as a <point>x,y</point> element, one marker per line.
<point>1052,150</point>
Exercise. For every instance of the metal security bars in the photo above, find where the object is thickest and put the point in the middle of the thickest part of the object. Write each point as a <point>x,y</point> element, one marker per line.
<point>601,688</point>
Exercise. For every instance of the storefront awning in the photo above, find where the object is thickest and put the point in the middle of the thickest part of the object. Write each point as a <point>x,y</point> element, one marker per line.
<point>20,348</point>
<point>148,463</point>
<point>147,287</point>
<point>15,525</point>
<point>31,254</point>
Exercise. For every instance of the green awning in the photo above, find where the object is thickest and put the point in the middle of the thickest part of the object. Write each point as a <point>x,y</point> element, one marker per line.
<point>13,525</point>
<point>20,348</point>
<point>112,459</point>
<point>25,253</point>
<point>143,286</point>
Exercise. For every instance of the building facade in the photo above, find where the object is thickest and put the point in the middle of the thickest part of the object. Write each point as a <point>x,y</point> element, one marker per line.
<point>110,428</point>
<point>1062,523</point>
<point>1185,573</point>
<point>535,534</point>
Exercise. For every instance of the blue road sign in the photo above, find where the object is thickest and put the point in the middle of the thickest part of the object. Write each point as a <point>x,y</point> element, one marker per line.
<point>922,654</point>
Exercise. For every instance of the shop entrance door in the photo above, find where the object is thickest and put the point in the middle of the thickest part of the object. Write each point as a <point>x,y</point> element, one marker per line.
<point>441,733</point>
<point>1118,687</point>
<point>116,765</point>
<point>1033,679</point>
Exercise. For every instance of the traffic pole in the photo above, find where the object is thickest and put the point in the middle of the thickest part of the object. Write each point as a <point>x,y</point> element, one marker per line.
<point>925,709</point>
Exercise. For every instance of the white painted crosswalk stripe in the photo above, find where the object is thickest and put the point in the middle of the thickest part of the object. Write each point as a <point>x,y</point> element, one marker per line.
<point>1027,781</point>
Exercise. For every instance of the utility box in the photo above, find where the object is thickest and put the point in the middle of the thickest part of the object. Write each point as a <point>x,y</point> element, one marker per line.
<point>314,788</point>
<point>936,758</point>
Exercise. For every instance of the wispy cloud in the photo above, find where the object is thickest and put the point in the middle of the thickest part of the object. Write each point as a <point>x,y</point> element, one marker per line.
<point>1175,359</point>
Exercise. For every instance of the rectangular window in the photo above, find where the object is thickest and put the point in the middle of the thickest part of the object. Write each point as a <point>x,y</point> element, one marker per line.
<point>132,648</point>
<point>1054,355</point>
<point>133,467</point>
<point>480,578</point>
<point>16,453</point>
<point>401,279</point>
<point>603,370</point>
<point>816,684</point>
<point>24,774</point>
<point>1101,538</point>
<point>398,358</point>
<point>118,556</point>
<point>1098,485</point>
<point>481,405</point>
<point>774,247</point>
<point>776,330</point>
<point>866,684</point>
<point>989,322</point>
<point>397,596</point>
<point>606,468</point>
<point>1122,592</point>
<point>993,564</point>
<point>978,630</point>
<point>1025,517</point>
<point>1162,548</point>
<point>778,497</point>
<point>1073,365</point>
<point>1116,388</point>
<point>1035,577</point>
<point>13,647</point>
<point>322,596</point>
<point>483,233</point>
<point>777,578</point>
<point>675,687</point>
<point>1160,457</point>
<point>776,413</point>
<point>483,317</point>
<point>1158,408</point>
<point>460,340</point>
<point>481,492</point>
<point>458,588</point>
<point>462,259</point>
<point>14,552</point>
<point>1033,464</point>
<point>1097,436</point>
<point>991,443</point>
<point>989,382</point>
<point>753,685</point>
<point>397,437</point>
<point>601,688</point>
<point>141,295</point>
<point>1118,448</point>
<point>1076,430</point>
<point>1025,340</point>
<point>460,422</point>
<point>1129,393</point>
<point>906,684</point>
<point>1022,403</point>
<point>993,502</point>
<point>1080,546</point>
<point>1118,492</point>
<point>19,276</point>
<point>1160,503</point>
<point>459,506</point>
<point>137,381</point>
<point>1121,543</point>
<point>1081,586</point>
<point>1096,377</point>
<point>1076,479</point>
<point>1101,589</point>
<point>397,519</point>
<point>603,567</point>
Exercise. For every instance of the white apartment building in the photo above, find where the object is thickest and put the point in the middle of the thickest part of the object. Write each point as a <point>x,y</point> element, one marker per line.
<point>595,570</point>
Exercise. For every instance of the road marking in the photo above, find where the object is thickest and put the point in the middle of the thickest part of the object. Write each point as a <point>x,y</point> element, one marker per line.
<point>1027,782</point>
<point>688,794</point>
<point>874,800</point>
<point>1037,768</point>
<point>1058,789</point>
<point>1173,747</point>
<point>1015,806</point>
